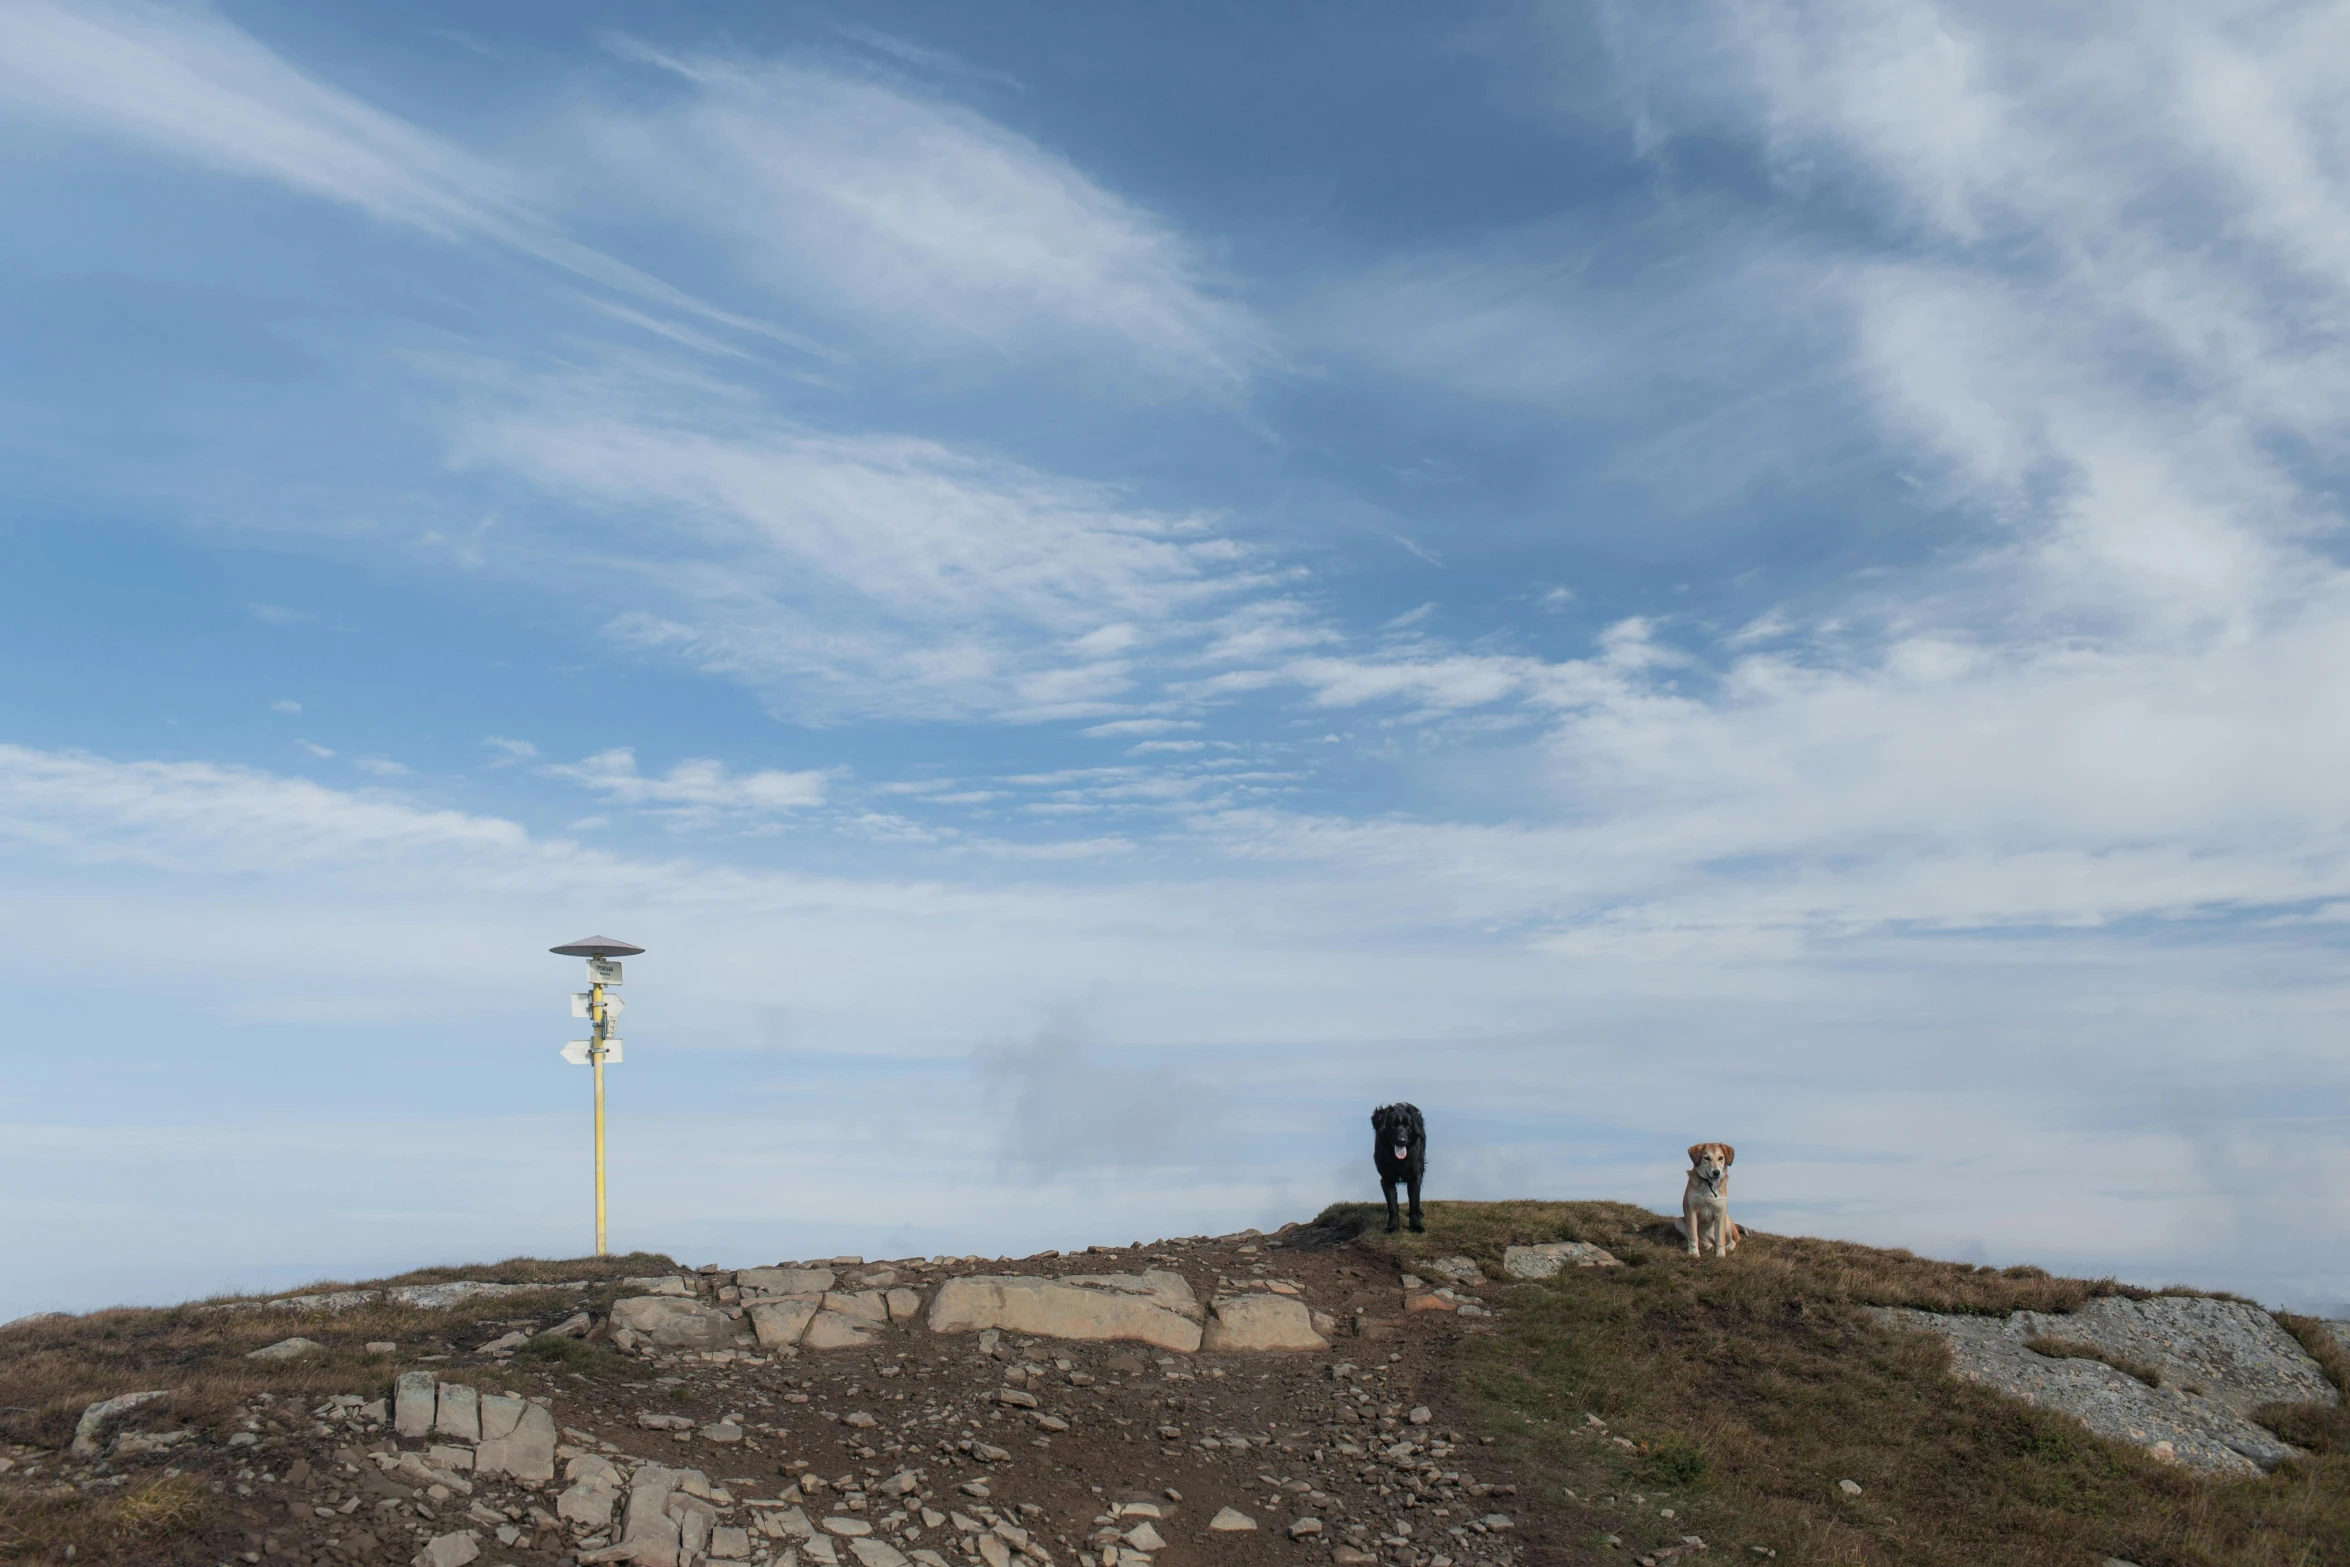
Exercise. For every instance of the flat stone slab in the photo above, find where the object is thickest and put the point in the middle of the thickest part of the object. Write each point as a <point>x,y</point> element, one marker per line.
<point>673,1322</point>
<point>2218,1360</point>
<point>1550,1259</point>
<point>1155,1307</point>
<point>433,1297</point>
<point>1261,1321</point>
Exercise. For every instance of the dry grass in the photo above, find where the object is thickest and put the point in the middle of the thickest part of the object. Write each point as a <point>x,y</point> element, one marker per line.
<point>52,1368</point>
<point>1747,1388</point>
<point>142,1524</point>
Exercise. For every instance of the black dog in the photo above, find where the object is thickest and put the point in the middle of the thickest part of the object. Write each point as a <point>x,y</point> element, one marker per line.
<point>1400,1149</point>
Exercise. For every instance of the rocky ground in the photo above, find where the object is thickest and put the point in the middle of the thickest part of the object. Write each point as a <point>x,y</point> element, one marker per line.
<point>1289,1400</point>
<point>812,1415</point>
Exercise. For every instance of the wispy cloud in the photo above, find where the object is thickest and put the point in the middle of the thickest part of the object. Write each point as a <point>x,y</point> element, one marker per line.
<point>698,790</point>
<point>939,229</point>
<point>847,574</point>
<point>187,84</point>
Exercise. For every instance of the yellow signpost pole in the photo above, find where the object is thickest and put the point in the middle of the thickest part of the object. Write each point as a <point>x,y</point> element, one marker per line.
<point>596,1059</point>
<point>603,955</point>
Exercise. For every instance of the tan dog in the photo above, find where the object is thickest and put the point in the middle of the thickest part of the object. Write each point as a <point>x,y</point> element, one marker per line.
<point>1705,1201</point>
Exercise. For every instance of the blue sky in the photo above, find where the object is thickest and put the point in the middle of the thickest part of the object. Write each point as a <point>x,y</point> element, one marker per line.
<point>1106,589</point>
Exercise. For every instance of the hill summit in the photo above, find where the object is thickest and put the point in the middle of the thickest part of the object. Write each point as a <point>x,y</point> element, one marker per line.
<point>1525,1384</point>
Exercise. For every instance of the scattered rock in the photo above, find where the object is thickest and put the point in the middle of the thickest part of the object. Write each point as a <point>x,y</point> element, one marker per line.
<point>98,1416</point>
<point>784,1281</point>
<point>779,1324</point>
<point>517,1438</point>
<point>1549,1259</point>
<point>1231,1521</point>
<point>674,1323</point>
<point>833,1330</point>
<point>1144,1537</point>
<point>1461,1270</point>
<point>864,1305</point>
<point>651,1420</point>
<point>1304,1528</point>
<point>1264,1322</point>
<point>457,1416</point>
<point>287,1349</point>
<point>1849,1487</point>
<point>504,1344</point>
<point>413,1402</point>
<point>448,1550</point>
<point>595,1488</point>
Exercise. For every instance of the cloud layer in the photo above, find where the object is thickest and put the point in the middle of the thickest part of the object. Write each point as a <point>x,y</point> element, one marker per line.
<point>1873,686</point>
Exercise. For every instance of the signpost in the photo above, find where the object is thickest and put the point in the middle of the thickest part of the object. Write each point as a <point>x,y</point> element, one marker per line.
<point>603,956</point>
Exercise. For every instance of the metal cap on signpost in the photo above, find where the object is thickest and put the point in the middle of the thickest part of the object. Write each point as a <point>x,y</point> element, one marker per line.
<point>603,956</point>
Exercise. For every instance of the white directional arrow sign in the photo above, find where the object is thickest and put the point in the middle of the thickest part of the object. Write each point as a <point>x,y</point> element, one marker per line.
<point>581,998</point>
<point>577,1052</point>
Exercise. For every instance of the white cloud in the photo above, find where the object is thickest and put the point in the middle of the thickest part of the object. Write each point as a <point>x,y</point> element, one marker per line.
<point>1321,952</point>
<point>938,228</point>
<point>187,83</point>
<point>381,767</point>
<point>199,817</point>
<point>1118,728</point>
<point>698,790</point>
<point>184,83</point>
<point>2103,327</point>
<point>509,752</point>
<point>285,706</point>
<point>845,574</point>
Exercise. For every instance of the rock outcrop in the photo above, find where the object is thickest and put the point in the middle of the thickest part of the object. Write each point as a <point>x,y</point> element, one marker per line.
<point>2215,1360</point>
<point>1155,1307</point>
<point>475,1433</point>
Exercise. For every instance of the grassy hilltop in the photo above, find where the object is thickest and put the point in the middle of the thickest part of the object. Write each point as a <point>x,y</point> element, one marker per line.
<point>1735,1394</point>
<point>1748,1388</point>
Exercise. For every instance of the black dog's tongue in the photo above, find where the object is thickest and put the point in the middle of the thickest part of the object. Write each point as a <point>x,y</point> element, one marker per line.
<point>1402,1152</point>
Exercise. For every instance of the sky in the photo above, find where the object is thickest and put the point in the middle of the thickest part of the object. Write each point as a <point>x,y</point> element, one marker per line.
<point>1108,588</point>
